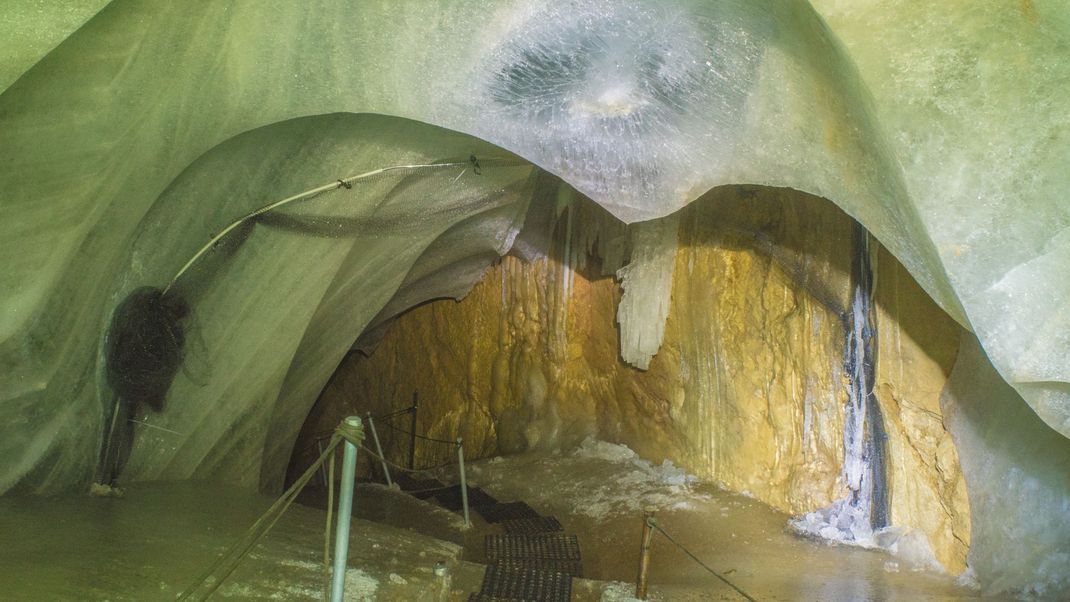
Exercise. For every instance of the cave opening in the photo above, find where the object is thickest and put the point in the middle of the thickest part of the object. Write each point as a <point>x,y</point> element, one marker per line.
<point>765,381</point>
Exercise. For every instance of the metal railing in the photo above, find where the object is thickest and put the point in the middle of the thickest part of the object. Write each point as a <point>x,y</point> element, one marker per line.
<point>650,525</point>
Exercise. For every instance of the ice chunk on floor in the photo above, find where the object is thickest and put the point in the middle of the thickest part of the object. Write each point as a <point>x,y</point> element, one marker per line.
<point>639,484</point>
<point>604,450</point>
<point>616,591</point>
<point>843,523</point>
<point>360,586</point>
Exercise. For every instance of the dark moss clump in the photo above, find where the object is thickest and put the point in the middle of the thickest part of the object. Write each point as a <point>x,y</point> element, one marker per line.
<point>145,346</point>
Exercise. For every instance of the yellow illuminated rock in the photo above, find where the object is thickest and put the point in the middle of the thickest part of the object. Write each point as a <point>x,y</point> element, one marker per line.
<point>746,390</point>
<point>918,347</point>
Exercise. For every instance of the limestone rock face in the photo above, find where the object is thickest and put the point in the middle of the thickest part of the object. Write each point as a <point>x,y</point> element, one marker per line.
<point>918,349</point>
<point>747,388</point>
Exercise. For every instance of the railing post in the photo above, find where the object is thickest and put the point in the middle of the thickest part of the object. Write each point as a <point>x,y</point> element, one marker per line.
<point>412,432</point>
<point>464,481</point>
<point>379,449</point>
<point>644,554</point>
<point>345,511</point>
<point>323,465</point>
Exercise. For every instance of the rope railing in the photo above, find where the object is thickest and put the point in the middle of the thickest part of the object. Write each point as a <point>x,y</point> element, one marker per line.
<point>459,443</point>
<point>395,413</point>
<point>387,465</point>
<point>650,525</point>
<point>703,564</point>
<point>214,576</point>
<point>417,435</point>
<point>384,419</point>
<point>405,469</point>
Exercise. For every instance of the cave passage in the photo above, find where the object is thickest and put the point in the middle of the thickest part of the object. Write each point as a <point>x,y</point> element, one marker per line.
<point>794,273</point>
<point>530,364</point>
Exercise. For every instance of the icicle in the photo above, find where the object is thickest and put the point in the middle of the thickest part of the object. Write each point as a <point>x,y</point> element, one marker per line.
<point>564,199</point>
<point>647,285</point>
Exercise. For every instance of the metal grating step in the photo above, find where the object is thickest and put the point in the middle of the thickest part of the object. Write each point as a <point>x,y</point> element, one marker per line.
<point>567,567</point>
<point>507,511</point>
<point>485,598</point>
<point>532,526</point>
<point>553,546</point>
<point>524,583</point>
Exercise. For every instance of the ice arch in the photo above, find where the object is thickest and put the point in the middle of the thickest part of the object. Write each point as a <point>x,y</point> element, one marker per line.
<point>947,142</point>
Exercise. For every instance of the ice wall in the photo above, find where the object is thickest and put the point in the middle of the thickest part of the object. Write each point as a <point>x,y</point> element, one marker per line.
<point>941,127</point>
<point>30,29</point>
<point>274,307</point>
<point>1018,475</point>
<point>971,99</point>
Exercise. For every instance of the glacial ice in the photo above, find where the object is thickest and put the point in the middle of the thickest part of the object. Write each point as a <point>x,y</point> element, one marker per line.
<point>942,127</point>
<point>1018,479</point>
<point>30,29</point>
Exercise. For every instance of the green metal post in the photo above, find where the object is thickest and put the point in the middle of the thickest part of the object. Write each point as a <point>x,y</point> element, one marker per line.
<point>345,514</point>
<point>464,481</point>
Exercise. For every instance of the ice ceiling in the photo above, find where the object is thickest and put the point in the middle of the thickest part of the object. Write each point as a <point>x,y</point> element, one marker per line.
<point>132,130</point>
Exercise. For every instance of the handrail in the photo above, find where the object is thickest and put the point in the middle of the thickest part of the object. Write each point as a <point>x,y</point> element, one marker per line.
<point>650,524</point>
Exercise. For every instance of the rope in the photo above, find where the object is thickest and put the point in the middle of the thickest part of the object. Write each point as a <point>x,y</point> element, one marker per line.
<point>223,566</point>
<point>394,414</point>
<point>346,183</point>
<point>327,529</point>
<point>415,491</point>
<point>403,468</point>
<point>700,563</point>
<point>411,434</point>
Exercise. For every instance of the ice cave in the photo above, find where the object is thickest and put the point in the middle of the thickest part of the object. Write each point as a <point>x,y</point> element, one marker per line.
<point>593,300</point>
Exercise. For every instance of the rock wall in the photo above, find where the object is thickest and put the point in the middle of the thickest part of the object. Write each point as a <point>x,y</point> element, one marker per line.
<point>747,388</point>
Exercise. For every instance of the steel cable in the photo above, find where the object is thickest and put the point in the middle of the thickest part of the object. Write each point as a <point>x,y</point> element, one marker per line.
<point>653,524</point>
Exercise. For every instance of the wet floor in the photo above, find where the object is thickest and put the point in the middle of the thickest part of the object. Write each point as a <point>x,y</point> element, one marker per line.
<point>159,538</point>
<point>601,496</point>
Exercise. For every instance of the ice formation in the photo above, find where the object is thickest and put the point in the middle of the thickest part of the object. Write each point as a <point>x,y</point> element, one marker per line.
<point>361,587</point>
<point>623,100</point>
<point>640,484</point>
<point>647,285</point>
<point>856,518</point>
<point>1018,477</point>
<point>134,132</point>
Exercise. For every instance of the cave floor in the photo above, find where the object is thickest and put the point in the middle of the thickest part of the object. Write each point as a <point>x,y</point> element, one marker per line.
<point>601,490</point>
<point>160,537</point>
<point>152,543</point>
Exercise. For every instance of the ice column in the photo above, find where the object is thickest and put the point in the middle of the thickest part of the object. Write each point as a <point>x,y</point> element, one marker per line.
<point>865,509</point>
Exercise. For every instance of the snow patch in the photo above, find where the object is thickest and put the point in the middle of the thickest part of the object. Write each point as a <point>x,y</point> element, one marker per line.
<point>664,486</point>
<point>580,483</point>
